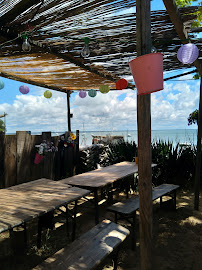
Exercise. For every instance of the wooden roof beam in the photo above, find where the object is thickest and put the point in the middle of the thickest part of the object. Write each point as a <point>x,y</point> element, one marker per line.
<point>175,17</point>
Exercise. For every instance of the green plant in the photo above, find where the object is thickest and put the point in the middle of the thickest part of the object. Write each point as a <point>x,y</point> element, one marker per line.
<point>2,126</point>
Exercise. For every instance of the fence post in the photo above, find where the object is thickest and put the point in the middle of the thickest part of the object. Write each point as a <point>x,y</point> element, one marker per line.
<point>2,178</point>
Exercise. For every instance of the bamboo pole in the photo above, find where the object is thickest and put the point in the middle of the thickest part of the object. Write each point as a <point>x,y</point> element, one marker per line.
<point>68,111</point>
<point>198,155</point>
<point>144,140</point>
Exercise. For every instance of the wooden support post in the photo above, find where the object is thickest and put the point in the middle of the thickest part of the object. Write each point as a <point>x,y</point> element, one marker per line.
<point>198,155</point>
<point>143,22</point>
<point>68,111</point>
<point>2,178</point>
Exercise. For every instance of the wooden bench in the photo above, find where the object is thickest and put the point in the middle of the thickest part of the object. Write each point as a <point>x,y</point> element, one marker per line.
<point>127,209</point>
<point>89,250</point>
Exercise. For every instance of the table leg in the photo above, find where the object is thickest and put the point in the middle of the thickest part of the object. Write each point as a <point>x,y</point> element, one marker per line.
<point>25,234</point>
<point>96,206</point>
<point>74,222</point>
<point>67,219</point>
<point>39,233</point>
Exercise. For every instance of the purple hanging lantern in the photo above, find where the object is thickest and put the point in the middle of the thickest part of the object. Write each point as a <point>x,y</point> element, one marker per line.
<point>188,53</point>
<point>82,94</point>
<point>24,89</point>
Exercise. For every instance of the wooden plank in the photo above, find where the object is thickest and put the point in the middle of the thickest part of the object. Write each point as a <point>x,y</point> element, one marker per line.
<point>130,205</point>
<point>24,162</point>
<point>89,250</point>
<point>143,32</point>
<point>126,207</point>
<point>26,201</point>
<point>10,160</point>
<point>163,189</point>
<point>103,176</point>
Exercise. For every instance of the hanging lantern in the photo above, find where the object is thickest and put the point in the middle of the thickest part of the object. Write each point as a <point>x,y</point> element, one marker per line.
<point>121,84</point>
<point>1,84</point>
<point>188,53</point>
<point>147,71</point>
<point>104,88</point>
<point>82,94</point>
<point>47,94</point>
<point>92,93</point>
<point>24,89</point>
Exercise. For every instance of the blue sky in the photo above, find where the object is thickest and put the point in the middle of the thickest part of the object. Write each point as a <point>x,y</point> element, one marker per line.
<point>113,111</point>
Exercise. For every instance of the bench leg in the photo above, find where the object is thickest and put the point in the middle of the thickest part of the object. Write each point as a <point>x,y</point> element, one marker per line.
<point>174,200</point>
<point>116,217</point>
<point>133,231</point>
<point>96,206</point>
<point>161,200</point>
<point>115,259</point>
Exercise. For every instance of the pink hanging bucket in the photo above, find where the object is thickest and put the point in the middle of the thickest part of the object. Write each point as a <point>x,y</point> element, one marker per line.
<point>147,71</point>
<point>38,158</point>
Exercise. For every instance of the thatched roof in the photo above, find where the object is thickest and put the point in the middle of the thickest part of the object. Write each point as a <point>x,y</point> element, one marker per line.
<point>57,29</point>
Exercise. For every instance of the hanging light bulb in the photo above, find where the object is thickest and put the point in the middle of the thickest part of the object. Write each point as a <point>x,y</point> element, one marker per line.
<point>85,52</point>
<point>26,47</point>
<point>153,49</point>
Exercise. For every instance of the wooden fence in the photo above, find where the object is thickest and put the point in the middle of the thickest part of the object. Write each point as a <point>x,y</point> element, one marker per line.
<point>17,153</point>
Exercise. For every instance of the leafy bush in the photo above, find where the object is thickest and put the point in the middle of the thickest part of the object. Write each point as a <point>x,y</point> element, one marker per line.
<point>175,163</point>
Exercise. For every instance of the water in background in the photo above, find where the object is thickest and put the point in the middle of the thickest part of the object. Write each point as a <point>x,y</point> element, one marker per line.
<point>175,136</point>
<point>183,136</point>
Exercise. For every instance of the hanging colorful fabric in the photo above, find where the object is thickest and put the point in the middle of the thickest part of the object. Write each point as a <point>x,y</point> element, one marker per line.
<point>73,137</point>
<point>47,94</point>
<point>24,89</point>
<point>104,88</point>
<point>187,53</point>
<point>121,84</point>
<point>82,94</point>
<point>92,93</point>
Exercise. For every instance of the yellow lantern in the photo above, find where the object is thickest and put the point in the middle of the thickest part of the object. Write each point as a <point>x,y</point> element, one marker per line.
<point>47,94</point>
<point>104,88</point>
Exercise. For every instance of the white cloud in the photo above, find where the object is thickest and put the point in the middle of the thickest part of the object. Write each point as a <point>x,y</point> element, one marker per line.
<point>116,110</point>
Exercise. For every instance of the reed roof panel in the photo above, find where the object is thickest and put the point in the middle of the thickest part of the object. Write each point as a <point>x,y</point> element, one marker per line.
<point>57,29</point>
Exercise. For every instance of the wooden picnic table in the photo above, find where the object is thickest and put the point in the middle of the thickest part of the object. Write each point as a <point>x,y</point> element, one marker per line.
<point>24,202</point>
<point>102,177</point>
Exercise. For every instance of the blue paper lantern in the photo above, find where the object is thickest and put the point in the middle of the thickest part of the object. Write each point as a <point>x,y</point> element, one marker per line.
<point>1,84</point>
<point>188,53</point>
<point>92,93</point>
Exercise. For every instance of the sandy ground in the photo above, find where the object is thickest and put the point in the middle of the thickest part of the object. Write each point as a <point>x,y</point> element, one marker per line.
<point>177,239</point>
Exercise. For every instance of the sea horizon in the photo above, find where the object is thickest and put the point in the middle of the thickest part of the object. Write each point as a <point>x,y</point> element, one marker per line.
<point>182,136</point>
